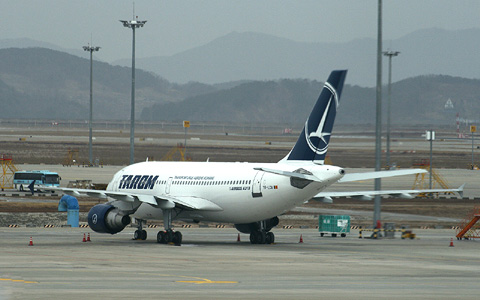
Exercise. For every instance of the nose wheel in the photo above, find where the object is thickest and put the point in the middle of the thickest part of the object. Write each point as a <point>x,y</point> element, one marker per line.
<point>140,233</point>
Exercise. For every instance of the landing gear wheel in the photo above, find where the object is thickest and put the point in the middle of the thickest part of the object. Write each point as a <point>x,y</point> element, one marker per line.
<point>177,238</point>
<point>270,239</point>
<point>165,237</point>
<point>140,235</point>
<point>258,237</point>
<point>168,237</point>
<point>137,234</point>
<point>161,237</point>
<point>261,237</point>
<point>253,240</point>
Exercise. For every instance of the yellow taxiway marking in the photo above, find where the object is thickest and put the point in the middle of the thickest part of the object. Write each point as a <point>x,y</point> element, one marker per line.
<point>17,280</point>
<point>202,280</point>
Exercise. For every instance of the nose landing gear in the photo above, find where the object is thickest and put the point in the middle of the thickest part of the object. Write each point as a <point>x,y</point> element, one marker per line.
<point>140,233</point>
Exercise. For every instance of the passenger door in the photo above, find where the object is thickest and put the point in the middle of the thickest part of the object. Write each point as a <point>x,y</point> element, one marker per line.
<point>169,184</point>
<point>257,185</point>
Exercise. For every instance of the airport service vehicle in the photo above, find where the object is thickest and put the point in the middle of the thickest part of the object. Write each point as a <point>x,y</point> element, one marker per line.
<point>41,179</point>
<point>249,195</point>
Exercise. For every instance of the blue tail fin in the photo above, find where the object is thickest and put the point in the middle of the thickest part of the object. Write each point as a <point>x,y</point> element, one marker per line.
<point>312,145</point>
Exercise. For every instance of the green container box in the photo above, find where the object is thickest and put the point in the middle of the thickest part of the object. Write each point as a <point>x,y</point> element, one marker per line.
<point>334,225</point>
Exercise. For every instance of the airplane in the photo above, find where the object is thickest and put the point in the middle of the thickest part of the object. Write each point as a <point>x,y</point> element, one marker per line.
<point>249,195</point>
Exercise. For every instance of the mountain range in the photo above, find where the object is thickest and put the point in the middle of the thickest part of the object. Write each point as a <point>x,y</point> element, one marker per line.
<point>256,56</point>
<point>40,83</point>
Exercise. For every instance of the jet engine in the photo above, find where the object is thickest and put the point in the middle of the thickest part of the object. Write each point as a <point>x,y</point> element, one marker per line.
<point>105,218</point>
<point>255,226</point>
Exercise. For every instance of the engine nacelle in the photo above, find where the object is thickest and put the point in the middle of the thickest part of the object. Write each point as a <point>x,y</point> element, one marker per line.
<point>249,227</point>
<point>105,218</point>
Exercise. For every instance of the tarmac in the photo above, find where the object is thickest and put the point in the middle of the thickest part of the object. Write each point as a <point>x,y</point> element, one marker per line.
<point>212,264</point>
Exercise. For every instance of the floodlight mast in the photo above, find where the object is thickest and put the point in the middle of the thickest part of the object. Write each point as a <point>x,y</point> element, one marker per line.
<point>133,25</point>
<point>390,54</point>
<point>90,49</point>
<point>378,123</point>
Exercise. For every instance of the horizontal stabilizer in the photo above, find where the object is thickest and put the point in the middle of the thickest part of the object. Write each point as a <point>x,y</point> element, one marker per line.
<point>327,200</point>
<point>379,174</point>
<point>290,174</point>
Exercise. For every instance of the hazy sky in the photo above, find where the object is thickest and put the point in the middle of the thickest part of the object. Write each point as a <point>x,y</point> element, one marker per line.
<point>175,26</point>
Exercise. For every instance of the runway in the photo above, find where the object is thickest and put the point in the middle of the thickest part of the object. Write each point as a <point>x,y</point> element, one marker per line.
<point>211,264</point>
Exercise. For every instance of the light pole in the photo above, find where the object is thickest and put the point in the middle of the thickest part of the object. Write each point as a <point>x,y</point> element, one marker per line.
<point>378,126</point>
<point>90,49</point>
<point>390,54</point>
<point>133,24</point>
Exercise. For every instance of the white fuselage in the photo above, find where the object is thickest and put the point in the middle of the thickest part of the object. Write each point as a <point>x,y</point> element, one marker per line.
<point>244,194</point>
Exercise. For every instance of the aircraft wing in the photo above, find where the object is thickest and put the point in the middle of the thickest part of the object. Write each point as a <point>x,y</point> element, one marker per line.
<point>160,201</point>
<point>81,192</point>
<point>190,202</point>
<point>368,195</point>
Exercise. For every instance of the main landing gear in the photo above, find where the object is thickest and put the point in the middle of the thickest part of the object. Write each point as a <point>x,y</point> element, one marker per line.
<point>169,236</point>
<point>261,236</point>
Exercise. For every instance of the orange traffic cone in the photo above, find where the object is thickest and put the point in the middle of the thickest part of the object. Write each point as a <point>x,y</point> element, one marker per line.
<point>238,238</point>
<point>301,239</point>
<point>451,243</point>
<point>88,237</point>
<point>31,242</point>
<point>84,239</point>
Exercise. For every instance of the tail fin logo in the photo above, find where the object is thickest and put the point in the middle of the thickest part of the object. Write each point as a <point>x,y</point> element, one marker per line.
<point>312,144</point>
<point>320,146</point>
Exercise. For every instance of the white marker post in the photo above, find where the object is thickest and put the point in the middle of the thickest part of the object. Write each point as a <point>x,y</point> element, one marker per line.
<point>186,124</point>
<point>430,136</point>
<point>473,129</point>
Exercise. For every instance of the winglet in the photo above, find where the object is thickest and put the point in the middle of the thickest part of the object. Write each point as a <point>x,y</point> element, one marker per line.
<point>460,190</point>
<point>31,186</point>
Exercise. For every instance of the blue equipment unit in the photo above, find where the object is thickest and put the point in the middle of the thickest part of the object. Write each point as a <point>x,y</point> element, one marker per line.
<point>70,205</point>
